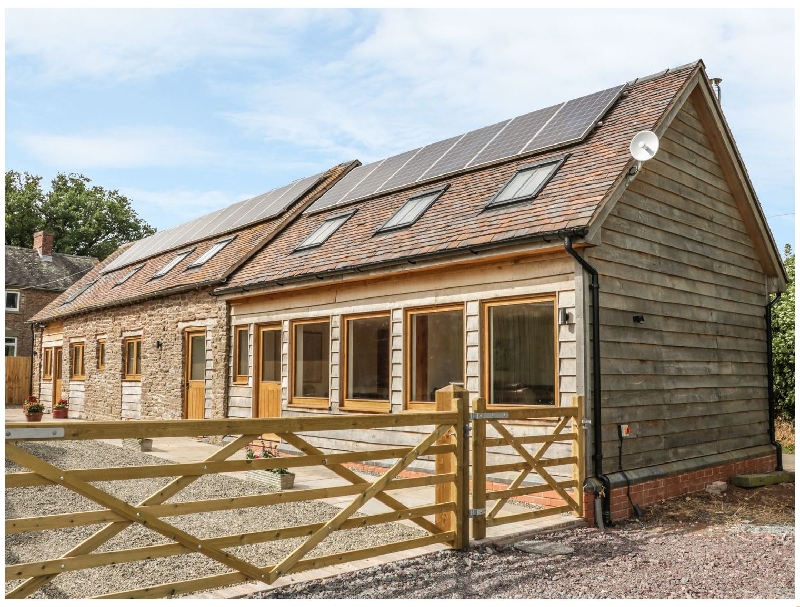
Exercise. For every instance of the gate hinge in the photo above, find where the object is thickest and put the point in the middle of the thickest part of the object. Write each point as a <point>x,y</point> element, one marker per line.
<point>586,424</point>
<point>467,430</point>
<point>490,415</point>
<point>473,512</point>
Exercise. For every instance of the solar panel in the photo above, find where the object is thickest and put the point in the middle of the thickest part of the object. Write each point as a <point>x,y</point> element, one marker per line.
<point>380,175</point>
<point>417,166</point>
<point>515,136</point>
<point>338,192</point>
<point>255,209</point>
<point>462,152</point>
<point>574,120</point>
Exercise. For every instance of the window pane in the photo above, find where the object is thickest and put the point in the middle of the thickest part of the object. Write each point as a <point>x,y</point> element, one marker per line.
<point>11,346</point>
<point>242,353</point>
<point>197,372</point>
<point>437,353</point>
<point>311,355</point>
<point>138,357</point>
<point>368,358</point>
<point>270,355</point>
<point>522,370</point>
<point>12,301</point>
<point>130,358</point>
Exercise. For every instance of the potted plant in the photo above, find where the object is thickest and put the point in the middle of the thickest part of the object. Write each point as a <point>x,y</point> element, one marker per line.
<point>33,409</point>
<point>140,444</point>
<point>277,478</point>
<point>61,409</point>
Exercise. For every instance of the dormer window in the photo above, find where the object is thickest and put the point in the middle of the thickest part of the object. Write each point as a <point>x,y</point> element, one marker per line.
<point>526,184</point>
<point>178,258</point>
<point>128,275</point>
<point>412,210</point>
<point>323,232</point>
<point>218,246</point>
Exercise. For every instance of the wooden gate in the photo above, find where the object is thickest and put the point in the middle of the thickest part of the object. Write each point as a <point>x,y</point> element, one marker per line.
<point>18,379</point>
<point>445,441</point>
<point>559,431</point>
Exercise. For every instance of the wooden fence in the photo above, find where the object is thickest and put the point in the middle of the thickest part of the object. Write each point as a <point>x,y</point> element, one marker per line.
<point>18,379</point>
<point>445,441</point>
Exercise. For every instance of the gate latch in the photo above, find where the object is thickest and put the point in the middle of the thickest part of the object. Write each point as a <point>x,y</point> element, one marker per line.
<point>490,415</point>
<point>586,424</point>
<point>473,512</point>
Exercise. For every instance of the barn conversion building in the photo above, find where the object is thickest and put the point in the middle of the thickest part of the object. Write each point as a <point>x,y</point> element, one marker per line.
<point>532,260</point>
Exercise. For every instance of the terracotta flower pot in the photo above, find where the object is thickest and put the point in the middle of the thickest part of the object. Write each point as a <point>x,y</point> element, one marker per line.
<point>60,413</point>
<point>34,417</point>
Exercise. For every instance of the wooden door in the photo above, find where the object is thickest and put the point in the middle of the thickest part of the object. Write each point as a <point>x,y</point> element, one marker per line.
<point>56,374</point>
<point>195,374</point>
<point>268,375</point>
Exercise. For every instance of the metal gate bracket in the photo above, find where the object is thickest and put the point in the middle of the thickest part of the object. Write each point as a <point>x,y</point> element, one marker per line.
<point>40,433</point>
<point>473,512</point>
<point>490,415</point>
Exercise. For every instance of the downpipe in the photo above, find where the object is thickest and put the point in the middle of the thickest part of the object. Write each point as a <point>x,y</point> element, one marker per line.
<point>771,389</point>
<point>597,456</point>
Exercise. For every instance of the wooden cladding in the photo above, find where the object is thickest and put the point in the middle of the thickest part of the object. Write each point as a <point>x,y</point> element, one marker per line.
<point>77,370</point>
<point>132,358</point>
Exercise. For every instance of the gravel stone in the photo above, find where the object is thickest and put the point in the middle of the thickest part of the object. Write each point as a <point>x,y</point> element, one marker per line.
<point>51,544</point>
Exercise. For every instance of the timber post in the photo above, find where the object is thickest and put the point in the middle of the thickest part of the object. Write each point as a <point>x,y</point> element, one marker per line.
<point>454,398</point>
<point>479,470</point>
<point>578,451</point>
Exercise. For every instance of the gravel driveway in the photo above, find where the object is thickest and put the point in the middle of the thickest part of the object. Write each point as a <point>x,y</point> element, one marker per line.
<point>743,562</point>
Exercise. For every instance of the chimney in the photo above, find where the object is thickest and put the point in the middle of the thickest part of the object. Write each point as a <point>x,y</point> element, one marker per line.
<point>43,243</point>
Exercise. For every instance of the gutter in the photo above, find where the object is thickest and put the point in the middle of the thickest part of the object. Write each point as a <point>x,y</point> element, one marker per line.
<point>771,388</point>
<point>596,385</point>
<point>412,259</point>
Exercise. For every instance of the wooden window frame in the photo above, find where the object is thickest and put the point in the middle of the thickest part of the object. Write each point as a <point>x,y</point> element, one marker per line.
<point>134,376</point>
<point>356,404</point>
<point>74,358</point>
<point>306,402</point>
<point>101,348</point>
<point>47,363</point>
<point>485,345</point>
<point>238,378</point>
<point>407,362</point>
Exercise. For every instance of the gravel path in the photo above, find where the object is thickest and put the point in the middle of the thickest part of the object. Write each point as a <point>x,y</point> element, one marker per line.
<point>628,562</point>
<point>40,501</point>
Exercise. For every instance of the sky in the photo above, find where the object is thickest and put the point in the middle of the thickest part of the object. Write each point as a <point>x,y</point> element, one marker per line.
<point>187,111</point>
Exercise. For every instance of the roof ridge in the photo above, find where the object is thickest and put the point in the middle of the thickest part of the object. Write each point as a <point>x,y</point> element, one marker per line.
<point>663,73</point>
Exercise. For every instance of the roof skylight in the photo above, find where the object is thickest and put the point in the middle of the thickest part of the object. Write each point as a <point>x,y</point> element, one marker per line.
<point>218,246</point>
<point>323,232</point>
<point>129,274</point>
<point>411,210</point>
<point>178,258</point>
<point>79,292</point>
<point>526,183</point>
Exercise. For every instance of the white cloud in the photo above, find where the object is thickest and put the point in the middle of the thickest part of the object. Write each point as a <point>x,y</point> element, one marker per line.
<point>52,46</point>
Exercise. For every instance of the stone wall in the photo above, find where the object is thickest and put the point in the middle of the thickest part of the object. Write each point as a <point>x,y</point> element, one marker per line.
<point>160,392</point>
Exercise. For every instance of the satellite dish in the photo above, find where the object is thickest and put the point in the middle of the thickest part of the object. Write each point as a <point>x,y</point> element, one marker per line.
<point>644,145</point>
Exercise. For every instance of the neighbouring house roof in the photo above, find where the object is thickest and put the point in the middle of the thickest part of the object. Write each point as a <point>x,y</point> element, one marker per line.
<point>463,219</point>
<point>113,283</point>
<point>26,269</point>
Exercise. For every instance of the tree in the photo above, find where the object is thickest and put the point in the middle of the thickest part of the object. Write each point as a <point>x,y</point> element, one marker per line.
<point>85,219</point>
<point>783,344</point>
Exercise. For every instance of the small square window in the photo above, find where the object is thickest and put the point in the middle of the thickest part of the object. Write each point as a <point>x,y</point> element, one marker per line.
<point>411,210</point>
<point>12,301</point>
<point>526,183</point>
<point>175,261</point>
<point>323,232</point>
<point>11,346</point>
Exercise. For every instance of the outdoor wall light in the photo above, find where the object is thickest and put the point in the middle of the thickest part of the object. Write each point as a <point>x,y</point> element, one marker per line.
<point>158,345</point>
<point>638,319</point>
<point>563,316</point>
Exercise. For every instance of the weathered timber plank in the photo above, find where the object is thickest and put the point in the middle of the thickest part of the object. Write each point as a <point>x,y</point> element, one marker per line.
<point>735,396</point>
<point>665,382</point>
<point>662,353</point>
<point>692,421</point>
<point>617,366</point>
<point>679,330</point>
